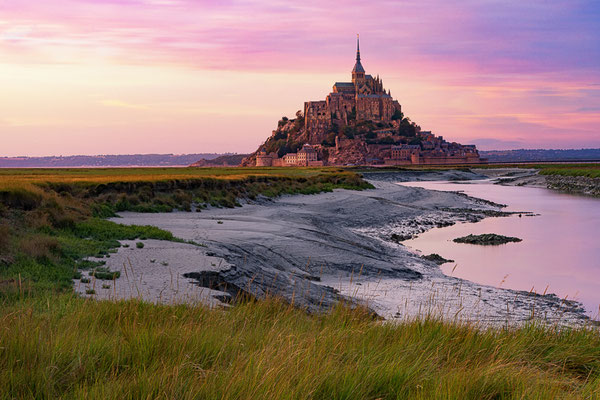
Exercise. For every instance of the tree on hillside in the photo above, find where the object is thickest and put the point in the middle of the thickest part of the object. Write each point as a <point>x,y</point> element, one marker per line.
<point>349,131</point>
<point>407,128</point>
<point>282,121</point>
<point>398,115</point>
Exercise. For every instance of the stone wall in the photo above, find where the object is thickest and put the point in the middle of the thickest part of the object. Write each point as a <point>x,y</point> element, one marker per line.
<point>317,119</point>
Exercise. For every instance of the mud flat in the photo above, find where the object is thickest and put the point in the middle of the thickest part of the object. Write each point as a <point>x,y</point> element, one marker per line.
<point>316,250</point>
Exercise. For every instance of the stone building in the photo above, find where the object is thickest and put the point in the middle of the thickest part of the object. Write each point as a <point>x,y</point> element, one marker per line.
<point>263,159</point>
<point>359,123</point>
<point>305,157</point>
<point>405,151</point>
<point>364,98</point>
<point>290,159</point>
<point>433,150</point>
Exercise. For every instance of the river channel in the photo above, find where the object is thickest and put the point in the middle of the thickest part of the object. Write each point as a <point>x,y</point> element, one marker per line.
<point>560,251</point>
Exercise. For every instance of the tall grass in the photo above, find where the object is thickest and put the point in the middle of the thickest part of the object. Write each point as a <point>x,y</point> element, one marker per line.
<point>66,347</point>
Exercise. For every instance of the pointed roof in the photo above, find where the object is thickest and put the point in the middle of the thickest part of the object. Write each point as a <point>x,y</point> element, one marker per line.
<point>358,66</point>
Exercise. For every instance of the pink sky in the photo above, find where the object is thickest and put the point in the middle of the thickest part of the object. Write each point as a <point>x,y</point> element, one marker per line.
<point>180,76</point>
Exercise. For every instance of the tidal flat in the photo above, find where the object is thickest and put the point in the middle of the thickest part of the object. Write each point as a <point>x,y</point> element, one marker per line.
<point>316,250</point>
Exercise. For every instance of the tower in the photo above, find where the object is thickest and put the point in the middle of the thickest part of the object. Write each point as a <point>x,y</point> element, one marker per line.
<point>358,72</point>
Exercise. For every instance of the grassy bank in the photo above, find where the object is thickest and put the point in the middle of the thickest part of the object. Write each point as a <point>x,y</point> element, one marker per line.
<point>587,170</point>
<point>65,347</point>
<point>591,170</point>
<point>52,218</point>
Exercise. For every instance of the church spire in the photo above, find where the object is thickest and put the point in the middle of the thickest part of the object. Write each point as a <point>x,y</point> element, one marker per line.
<point>358,72</point>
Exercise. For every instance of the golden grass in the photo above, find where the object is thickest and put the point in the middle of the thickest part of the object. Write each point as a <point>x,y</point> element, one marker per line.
<point>25,177</point>
<point>65,347</point>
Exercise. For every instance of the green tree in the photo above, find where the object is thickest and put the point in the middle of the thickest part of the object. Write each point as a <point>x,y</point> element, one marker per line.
<point>280,135</point>
<point>349,131</point>
<point>283,150</point>
<point>416,140</point>
<point>386,140</point>
<point>407,128</point>
<point>398,115</point>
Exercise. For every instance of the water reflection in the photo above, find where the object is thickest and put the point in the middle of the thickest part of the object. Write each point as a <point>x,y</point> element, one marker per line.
<point>560,251</point>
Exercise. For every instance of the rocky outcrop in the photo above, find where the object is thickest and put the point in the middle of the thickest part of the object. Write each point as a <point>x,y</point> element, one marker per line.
<point>487,239</point>
<point>436,258</point>
<point>574,184</point>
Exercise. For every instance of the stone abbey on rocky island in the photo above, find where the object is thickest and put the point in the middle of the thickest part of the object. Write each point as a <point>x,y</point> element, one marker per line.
<point>359,123</point>
<point>363,99</point>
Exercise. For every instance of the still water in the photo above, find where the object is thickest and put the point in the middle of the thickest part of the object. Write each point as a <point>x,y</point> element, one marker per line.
<point>560,251</point>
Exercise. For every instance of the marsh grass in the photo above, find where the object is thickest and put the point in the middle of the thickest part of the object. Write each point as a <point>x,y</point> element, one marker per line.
<point>590,171</point>
<point>268,350</point>
<point>104,192</point>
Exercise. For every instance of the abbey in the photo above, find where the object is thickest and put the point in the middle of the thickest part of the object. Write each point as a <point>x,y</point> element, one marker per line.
<point>364,98</point>
<point>359,123</point>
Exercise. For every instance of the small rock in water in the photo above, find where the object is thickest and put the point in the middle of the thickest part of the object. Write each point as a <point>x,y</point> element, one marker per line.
<point>436,258</point>
<point>400,238</point>
<point>487,239</point>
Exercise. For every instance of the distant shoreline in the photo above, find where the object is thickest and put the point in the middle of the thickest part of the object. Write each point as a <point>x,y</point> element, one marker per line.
<point>494,157</point>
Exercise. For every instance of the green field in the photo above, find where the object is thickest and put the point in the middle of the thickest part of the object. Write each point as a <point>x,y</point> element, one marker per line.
<point>588,170</point>
<point>56,345</point>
